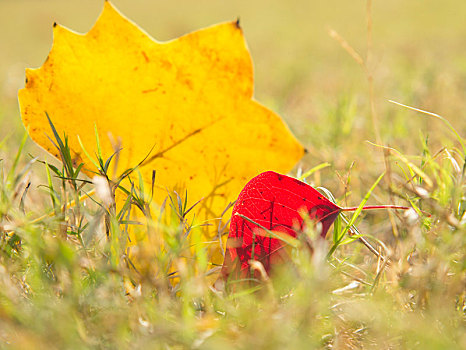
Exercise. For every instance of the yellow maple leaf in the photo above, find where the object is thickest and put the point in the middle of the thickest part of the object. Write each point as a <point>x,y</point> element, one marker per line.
<point>190,100</point>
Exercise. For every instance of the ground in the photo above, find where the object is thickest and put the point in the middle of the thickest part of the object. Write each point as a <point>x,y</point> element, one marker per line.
<point>330,69</point>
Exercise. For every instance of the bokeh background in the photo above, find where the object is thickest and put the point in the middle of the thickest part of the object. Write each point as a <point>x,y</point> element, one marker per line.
<point>57,296</point>
<point>416,54</point>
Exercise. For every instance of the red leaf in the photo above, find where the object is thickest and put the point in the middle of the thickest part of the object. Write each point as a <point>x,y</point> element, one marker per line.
<point>275,202</point>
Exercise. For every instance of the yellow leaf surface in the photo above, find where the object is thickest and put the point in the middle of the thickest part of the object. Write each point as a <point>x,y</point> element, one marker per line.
<point>190,100</point>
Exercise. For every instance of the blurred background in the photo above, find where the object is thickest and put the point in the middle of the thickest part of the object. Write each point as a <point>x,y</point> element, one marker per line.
<point>58,295</point>
<point>417,57</point>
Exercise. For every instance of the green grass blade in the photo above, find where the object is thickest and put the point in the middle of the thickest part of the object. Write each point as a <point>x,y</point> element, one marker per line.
<point>356,214</point>
<point>87,154</point>
<point>97,141</point>
<point>313,170</point>
<point>444,120</point>
<point>12,172</point>
<point>50,185</point>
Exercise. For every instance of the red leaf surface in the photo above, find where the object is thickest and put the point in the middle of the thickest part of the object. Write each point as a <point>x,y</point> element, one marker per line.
<point>277,203</point>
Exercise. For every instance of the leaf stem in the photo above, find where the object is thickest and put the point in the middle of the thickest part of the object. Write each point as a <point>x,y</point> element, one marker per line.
<point>371,207</point>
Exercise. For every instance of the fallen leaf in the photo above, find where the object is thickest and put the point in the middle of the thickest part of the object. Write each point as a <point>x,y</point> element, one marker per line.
<point>189,100</point>
<point>268,216</point>
<point>275,203</point>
